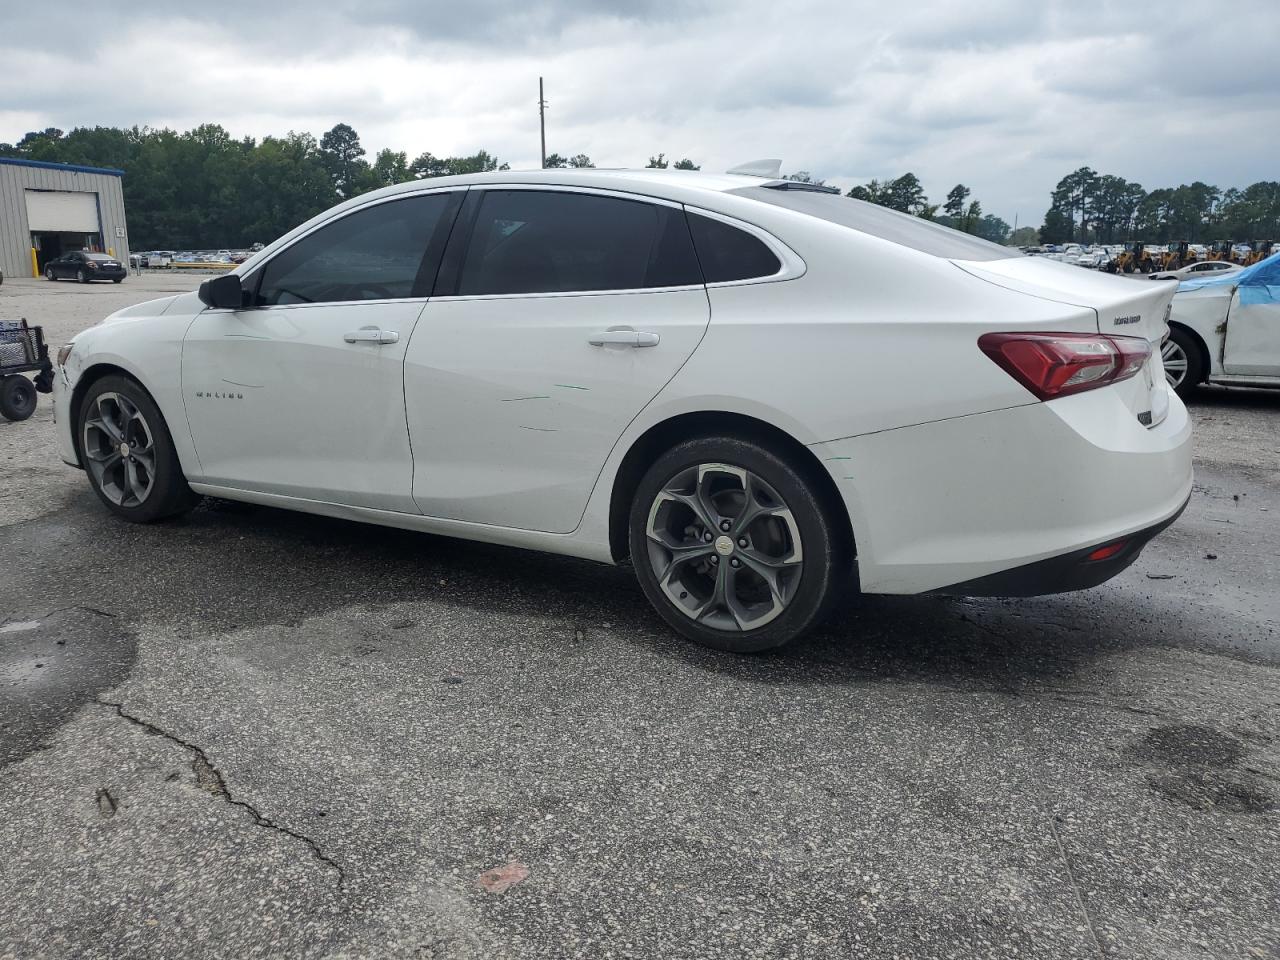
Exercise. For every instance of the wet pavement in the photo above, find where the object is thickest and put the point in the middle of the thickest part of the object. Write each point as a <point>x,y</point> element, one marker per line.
<point>252,733</point>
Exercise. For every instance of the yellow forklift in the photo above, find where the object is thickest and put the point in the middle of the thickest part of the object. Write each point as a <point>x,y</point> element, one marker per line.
<point>1177,256</point>
<point>1258,250</point>
<point>1220,251</point>
<point>1135,259</point>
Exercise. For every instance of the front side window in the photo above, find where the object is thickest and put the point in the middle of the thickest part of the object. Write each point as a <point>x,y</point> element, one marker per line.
<point>530,241</point>
<point>377,253</point>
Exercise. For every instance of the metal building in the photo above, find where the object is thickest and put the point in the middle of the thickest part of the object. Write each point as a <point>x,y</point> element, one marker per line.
<point>48,209</point>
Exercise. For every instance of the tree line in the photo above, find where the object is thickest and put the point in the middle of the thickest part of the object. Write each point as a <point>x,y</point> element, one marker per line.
<point>1087,206</point>
<point>205,188</point>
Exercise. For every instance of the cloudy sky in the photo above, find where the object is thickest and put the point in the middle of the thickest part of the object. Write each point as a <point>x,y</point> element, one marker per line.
<point>1003,95</point>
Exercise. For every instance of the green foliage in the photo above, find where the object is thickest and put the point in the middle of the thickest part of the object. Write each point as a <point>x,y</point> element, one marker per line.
<point>427,165</point>
<point>1087,206</point>
<point>1024,237</point>
<point>203,188</point>
<point>660,162</point>
<point>342,156</point>
<point>954,207</point>
<point>903,193</point>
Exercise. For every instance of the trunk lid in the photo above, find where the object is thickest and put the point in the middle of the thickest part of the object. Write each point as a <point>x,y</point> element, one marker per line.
<point>1123,306</point>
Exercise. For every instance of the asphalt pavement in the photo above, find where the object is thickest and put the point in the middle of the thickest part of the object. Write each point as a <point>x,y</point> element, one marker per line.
<point>251,733</point>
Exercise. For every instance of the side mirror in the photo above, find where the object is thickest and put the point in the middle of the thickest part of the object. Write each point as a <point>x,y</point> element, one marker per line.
<point>222,292</point>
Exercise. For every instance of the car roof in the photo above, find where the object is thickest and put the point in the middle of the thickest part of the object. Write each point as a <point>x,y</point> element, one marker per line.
<point>642,180</point>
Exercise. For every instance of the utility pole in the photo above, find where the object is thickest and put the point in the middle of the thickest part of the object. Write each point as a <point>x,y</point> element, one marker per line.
<point>542,122</point>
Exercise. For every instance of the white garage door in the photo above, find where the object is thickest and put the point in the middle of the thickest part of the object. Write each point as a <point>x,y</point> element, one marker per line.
<point>55,211</point>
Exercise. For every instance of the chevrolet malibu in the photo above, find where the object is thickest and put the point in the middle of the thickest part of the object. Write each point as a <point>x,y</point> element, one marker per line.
<point>764,395</point>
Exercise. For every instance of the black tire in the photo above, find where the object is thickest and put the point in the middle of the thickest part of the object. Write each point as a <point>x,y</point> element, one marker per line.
<point>1191,349</point>
<point>813,591</point>
<point>82,276</point>
<point>117,279</point>
<point>48,274</point>
<point>17,398</point>
<point>168,494</point>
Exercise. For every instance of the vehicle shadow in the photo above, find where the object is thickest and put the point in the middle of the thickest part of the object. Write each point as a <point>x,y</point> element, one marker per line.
<point>230,566</point>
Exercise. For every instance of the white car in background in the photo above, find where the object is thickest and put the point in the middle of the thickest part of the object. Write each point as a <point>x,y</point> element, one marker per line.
<point>1225,329</point>
<point>764,394</point>
<point>1208,268</point>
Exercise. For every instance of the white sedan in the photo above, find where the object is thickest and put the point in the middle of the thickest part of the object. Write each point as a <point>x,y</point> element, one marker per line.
<point>1226,329</point>
<point>764,394</point>
<point>1196,271</point>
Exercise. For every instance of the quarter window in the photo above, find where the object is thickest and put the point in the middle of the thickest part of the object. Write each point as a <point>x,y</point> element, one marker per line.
<point>727,253</point>
<point>378,253</point>
<point>530,241</point>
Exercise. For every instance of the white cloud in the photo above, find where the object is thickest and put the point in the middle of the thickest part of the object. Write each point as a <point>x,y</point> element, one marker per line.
<point>1003,95</point>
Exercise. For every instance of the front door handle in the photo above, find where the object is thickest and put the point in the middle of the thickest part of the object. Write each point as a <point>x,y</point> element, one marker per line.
<point>625,337</point>
<point>371,335</point>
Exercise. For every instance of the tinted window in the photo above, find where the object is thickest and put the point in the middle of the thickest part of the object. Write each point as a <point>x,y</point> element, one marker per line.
<point>373,254</point>
<point>528,241</point>
<point>899,228</point>
<point>727,253</point>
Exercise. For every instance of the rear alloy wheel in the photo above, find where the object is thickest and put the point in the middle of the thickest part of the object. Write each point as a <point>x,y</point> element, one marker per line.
<point>128,454</point>
<point>48,273</point>
<point>80,275</point>
<point>731,545</point>
<point>1183,366</point>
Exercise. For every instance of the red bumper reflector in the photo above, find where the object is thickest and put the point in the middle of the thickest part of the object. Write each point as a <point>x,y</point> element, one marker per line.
<point>1107,552</point>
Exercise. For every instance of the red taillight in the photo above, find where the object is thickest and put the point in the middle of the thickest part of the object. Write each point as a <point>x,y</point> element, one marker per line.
<point>1059,364</point>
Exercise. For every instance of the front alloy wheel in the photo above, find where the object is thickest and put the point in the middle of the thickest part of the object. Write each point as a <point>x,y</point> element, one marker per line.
<point>128,453</point>
<point>119,450</point>
<point>734,546</point>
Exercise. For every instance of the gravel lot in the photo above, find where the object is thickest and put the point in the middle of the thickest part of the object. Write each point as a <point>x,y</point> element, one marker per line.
<point>251,733</point>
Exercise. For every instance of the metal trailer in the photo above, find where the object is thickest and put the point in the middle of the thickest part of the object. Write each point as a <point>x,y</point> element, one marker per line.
<point>22,351</point>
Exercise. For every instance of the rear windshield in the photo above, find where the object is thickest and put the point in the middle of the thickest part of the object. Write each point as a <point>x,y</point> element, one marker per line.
<point>900,228</point>
<point>96,256</point>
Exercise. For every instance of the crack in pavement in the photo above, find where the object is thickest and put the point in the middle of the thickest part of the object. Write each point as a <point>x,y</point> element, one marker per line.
<point>1075,886</point>
<point>210,778</point>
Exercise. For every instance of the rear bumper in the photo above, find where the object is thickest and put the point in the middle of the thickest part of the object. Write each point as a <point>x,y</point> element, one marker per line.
<point>1071,571</point>
<point>962,501</point>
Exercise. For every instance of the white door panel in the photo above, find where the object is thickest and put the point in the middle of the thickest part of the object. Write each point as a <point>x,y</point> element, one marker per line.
<point>1253,334</point>
<point>512,411</point>
<point>278,401</point>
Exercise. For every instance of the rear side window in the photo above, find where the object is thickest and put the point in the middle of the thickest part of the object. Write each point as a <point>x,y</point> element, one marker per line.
<point>376,253</point>
<point>727,253</point>
<point>529,241</point>
<point>900,228</point>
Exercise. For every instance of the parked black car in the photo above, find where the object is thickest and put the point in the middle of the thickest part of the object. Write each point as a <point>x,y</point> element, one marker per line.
<point>85,267</point>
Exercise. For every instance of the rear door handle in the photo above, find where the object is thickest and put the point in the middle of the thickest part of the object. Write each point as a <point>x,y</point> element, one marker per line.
<point>371,335</point>
<point>626,338</point>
